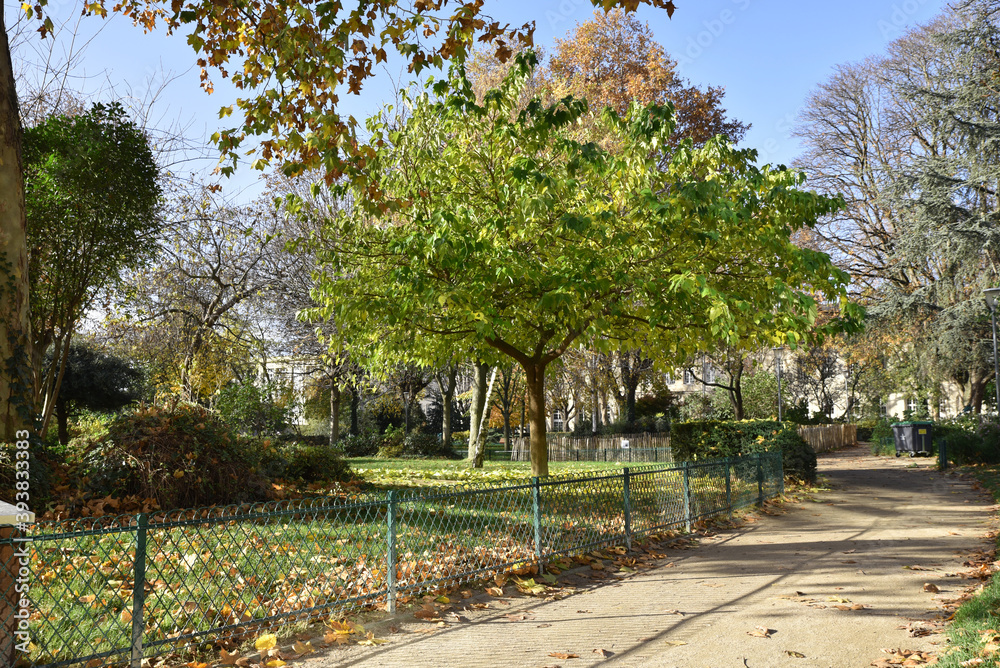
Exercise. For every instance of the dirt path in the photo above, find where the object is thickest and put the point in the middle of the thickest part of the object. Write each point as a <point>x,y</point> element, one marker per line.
<point>786,573</point>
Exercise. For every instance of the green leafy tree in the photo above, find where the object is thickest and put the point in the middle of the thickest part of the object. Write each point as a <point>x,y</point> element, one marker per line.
<point>294,59</point>
<point>498,231</point>
<point>92,197</point>
<point>95,380</point>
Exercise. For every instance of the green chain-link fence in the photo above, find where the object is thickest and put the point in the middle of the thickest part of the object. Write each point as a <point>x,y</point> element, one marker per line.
<point>117,589</point>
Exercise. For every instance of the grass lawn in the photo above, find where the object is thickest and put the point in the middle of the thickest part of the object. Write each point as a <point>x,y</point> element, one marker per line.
<point>391,473</point>
<point>975,631</point>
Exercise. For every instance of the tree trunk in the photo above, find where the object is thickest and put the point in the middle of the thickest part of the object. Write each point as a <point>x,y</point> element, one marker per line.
<point>355,404</point>
<point>447,403</point>
<point>478,405</point>
<point>335,396</point>
<point>479,453</point>
<point>595,424</point>
<point>535,382</point>
<point>406,414</point>
<point>62,420</point>
<point>16,378</point>
<point>524,408</point>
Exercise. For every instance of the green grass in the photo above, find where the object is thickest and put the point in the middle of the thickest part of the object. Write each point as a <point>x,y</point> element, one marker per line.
<point>393,473</point>
<point>967,633</point>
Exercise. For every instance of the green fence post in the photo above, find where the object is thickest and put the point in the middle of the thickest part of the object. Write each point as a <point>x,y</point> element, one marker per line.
<point>390,557</point>
<point>536,508</point>
<point>760,478</point>
<point>628,510</point>
<point>943,455</point>
<point>139,588</point>
<point>687,497</point>
<point>729,486</point>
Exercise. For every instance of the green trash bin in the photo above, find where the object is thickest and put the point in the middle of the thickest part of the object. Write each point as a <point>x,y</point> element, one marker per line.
<point>913,438</point>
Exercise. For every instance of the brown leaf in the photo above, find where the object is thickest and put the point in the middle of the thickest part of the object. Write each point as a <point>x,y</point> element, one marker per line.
<point>603,653</point>
<point>564,655</point>
<point>794,654</point>
<point>931,587</point>
<point>760,632</point>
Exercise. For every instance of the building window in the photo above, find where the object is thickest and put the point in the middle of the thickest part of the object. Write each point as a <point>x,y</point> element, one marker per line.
<point>557,421</point>
<point>688,377</point>
<point>883,408</point>
<point>911,405</point>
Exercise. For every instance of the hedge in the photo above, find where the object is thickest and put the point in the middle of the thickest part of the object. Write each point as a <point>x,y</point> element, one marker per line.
<point>715,439</point>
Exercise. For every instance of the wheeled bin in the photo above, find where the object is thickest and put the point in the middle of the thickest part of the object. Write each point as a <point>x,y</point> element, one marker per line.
<point>912,437</point>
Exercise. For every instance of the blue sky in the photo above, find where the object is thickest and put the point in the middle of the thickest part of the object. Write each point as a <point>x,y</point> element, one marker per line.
<point>767,55</point>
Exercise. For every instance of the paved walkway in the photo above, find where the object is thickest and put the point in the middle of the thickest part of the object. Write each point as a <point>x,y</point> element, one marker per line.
<point>787,574</point>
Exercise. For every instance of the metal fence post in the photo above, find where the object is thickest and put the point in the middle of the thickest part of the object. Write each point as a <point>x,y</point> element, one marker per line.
<point>139,589</point>
<point>628,509</point>
<point>943,455</point>
<point>760,478</point>
<point>536,508</point>
<point>687,496</point>
<point>390,555</point>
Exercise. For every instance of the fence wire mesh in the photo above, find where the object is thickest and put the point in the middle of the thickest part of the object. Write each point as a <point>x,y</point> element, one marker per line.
<point>115,590</point>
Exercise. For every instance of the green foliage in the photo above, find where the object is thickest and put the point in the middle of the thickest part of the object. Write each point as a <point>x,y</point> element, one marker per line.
<point>315,463</point>
<point>182,456</point>
<point>502,233</point>
<point>256,409</point>
<point>699,441</point>
<point>396,444</point>
<point>968,441</point>
<point>91,202</point>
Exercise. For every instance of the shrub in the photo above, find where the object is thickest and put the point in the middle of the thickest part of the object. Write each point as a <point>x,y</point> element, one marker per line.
<point>694,441</point>
<point>257,411</point>
<point>181,456</point>
<point>365,444</point>
<point>969,442</point>
<point>315,463</point>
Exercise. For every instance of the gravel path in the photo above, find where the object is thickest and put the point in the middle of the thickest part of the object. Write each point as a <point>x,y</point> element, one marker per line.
<point>787,573</point>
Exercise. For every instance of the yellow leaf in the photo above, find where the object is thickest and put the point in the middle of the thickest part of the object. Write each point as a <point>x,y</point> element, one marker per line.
<point>266,642</point>
<point>302,647</point>
<point>276,663</point>
<point>443,599</point>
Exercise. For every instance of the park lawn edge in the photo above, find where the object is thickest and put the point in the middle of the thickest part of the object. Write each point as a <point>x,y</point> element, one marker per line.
<point>973,629</point>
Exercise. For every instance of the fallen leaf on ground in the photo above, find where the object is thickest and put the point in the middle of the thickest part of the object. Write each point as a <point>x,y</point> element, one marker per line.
<point>603,652</point>
<point>794,654</point>
<point>760,632</point>
<point>931,587</point>
<point>265,642</point>
<point>564,655</point>
<point>671,642</point>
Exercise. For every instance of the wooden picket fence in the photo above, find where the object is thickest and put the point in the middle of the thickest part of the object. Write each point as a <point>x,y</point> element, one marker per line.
<point>606,447</point>
<point>827,437</point>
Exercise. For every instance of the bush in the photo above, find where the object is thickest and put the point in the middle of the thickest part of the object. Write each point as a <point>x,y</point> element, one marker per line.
<point>969,442</point>
<point>181,456</point>
<point>257,411</point>
<point>315,463</point>
<point>365,444</point>
<point>713,439</point>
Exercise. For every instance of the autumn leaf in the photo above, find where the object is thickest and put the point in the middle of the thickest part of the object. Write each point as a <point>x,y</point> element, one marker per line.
<point>794,654</point>
<point>760,632</point>
<point>229,659</point>
<point>265,642</point>
<point>564,655</point>
<point>603,653</point>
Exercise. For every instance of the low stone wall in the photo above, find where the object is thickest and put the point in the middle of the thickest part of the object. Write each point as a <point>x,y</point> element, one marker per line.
<point>827,437</point>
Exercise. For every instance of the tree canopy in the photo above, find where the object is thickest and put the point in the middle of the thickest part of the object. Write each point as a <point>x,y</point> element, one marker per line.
<point>500,231</point>
<point>92,198</point>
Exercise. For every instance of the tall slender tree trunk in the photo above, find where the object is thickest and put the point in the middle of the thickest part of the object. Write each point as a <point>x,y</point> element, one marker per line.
<point>478,405</point>
<point>535,382</point>
<point>335,397</point>
<point>355,405</point>
<point>16,377</point>
<point>62,420</point>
